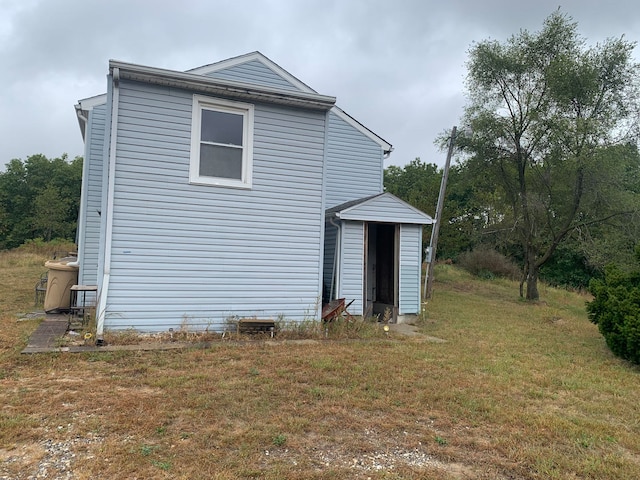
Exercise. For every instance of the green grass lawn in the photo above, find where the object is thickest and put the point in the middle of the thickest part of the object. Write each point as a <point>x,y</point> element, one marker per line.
<point>518,390</point>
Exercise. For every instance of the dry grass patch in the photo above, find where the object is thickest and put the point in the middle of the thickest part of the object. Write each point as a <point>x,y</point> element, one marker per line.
<point>20,272</point>
<point>541,375</point>
<point>518,391</point>
<point>338,329</point>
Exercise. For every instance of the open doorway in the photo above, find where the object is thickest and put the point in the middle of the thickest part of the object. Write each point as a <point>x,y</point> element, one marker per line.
<point>381,269</point>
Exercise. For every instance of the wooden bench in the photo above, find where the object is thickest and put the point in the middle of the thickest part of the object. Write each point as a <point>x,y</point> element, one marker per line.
<point>254,325</point>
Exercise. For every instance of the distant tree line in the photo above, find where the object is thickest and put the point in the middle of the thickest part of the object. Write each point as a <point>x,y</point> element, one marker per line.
<point>39,198</point>
<point>476,217</point>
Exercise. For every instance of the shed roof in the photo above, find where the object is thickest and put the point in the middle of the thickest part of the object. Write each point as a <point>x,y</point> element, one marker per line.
<point>383,207</point>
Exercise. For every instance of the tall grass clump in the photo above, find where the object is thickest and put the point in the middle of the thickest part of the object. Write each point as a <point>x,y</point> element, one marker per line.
<point>338,328</point>
<point>487,263</point>
<point>58,247</point>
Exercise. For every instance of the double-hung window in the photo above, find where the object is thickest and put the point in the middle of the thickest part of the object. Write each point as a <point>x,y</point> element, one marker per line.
<point>221,142</point>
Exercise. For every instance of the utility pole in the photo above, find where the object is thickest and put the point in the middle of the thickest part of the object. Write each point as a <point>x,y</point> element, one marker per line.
<point>433,244</point>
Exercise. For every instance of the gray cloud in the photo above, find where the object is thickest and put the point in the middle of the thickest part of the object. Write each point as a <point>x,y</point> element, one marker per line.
<point>397,66</point>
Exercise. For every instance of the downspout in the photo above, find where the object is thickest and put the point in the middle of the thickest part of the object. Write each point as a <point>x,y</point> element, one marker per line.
<point>323,217</point>
<point>82,117</point>
<point>335,278</point>
<point>83,195</point>
<point>104,293</point>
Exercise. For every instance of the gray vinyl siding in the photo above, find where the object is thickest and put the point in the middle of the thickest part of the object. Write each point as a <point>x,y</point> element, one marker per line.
<point>410,268</point>
<point>199,255</point>
<point>95,133</point>
<point>330,236</point>
<point>254,72</point>
<point>354,164</point>
<point>385,208</point>
<point>352,265</point>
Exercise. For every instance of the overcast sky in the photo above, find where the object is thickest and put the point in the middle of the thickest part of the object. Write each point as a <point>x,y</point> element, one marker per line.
<point>398,66</point>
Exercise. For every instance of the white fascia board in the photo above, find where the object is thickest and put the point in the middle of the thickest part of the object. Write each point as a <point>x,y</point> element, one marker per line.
<point>386,146</point>
<point>201,83</point>
<point>91,102</point>
<point>249,57</point>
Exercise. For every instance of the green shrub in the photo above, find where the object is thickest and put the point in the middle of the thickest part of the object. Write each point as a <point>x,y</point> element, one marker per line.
<point>488,264</point>
<point>616,310</point>
<point>568,268</point>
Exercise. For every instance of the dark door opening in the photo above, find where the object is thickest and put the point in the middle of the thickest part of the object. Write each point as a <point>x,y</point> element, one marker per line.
<point>381,269</point>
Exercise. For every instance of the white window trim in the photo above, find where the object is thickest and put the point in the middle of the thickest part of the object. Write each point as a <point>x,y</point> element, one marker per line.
<point>244,109</point>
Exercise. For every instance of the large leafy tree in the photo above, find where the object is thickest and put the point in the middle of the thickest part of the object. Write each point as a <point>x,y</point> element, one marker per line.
<point>553,127</point>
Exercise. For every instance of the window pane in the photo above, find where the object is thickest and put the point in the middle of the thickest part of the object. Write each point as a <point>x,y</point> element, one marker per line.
<point>221,127</point>
<point>222,162</point>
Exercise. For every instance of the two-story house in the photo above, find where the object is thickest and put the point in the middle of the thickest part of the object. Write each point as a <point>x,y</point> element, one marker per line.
<point>236,190</point>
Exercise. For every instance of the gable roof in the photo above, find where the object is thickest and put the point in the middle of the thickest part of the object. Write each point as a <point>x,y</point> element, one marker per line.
<point>383,207</point>
<point>387,148</point>
<point>212,68</point>
<point>203,79</point>
<point>219,67</point>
